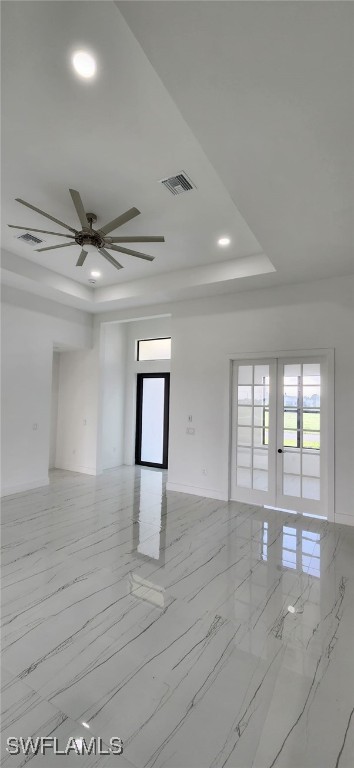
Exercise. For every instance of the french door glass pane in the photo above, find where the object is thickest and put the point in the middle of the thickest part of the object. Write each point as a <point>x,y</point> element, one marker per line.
<point>244,436</point>
<point>311,420</point>
<point>311,464</point>
<point>260,436</point>
<point>260,479</point>
<point>245,415</point>
<point>311,396</point>
<point>291,485</point>
<point>260,458</point>
<point>245,373</point>
<point>245,395</point>
<point>244,457</point>
<point>252,433</point>
<point>310,488</point>
<point>291,396</point>
<point>261,374</point>
<point>291,375</point>
<point>311,440</point>
<point>261,395</point>
<point>260,416</point>
<point>244,478</point>
<point>311,369</point>
<point>292,462</point>
<point>291,438</point>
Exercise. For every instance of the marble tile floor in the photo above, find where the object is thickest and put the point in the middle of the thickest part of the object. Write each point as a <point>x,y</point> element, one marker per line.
<point>163,618</point>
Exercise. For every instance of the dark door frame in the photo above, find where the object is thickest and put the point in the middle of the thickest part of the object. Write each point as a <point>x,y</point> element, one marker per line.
<point>139,413</point>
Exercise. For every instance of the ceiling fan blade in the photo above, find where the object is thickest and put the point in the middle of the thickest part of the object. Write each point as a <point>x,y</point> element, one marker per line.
<point>110,258</point>
<point>137,239</point>
<point>81,258</point>
<point>80,210</point>
<point>130,253</point>
<point>43,231</point>
<point>115,223</point>
<point>47,215</point>
<point>51,247</point>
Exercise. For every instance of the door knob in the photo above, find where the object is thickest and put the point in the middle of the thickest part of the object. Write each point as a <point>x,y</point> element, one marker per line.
<point>280,450</point>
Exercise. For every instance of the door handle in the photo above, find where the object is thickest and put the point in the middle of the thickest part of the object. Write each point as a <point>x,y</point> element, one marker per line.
<point>280,450</point>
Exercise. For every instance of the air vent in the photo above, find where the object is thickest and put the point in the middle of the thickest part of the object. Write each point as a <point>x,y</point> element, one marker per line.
<point>31,239</point>
<point>178,184</point>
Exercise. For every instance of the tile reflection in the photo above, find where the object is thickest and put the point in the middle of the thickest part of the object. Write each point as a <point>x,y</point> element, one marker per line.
<point>301,551</point>
<point>150,516</point>
<point>145,590</point>
<point>148,545</point>
<point>264,542</point>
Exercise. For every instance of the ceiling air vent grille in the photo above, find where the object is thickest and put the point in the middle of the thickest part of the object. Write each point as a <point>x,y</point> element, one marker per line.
<point>31,239</point>
<point>178,184</point>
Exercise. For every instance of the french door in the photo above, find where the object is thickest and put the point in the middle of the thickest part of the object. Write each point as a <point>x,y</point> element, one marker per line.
<point>280,433</point>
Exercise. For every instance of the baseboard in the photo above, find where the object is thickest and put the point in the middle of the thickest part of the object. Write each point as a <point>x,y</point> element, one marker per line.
<point>10,490</point>
<point>78,468</point>
<point>208,493</point>
<point>344,519</point>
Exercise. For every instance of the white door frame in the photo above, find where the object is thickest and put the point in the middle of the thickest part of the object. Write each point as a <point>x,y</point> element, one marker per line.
<point>328,409</point>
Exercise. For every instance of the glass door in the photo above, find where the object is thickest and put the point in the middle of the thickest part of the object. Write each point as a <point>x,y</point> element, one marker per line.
<point>279,433</point>
<point>152,415</point>
<point>254,432</point>
<point>300,441</point>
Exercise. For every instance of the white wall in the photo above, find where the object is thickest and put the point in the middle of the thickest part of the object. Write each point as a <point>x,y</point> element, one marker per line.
<point>113,361</point>
<point>30,328</point>
<point>143,329</point>
<point>54,411</point>
<point>207,331</point>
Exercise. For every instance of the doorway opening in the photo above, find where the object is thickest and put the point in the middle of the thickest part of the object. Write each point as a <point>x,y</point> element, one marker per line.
<point>152,419</point>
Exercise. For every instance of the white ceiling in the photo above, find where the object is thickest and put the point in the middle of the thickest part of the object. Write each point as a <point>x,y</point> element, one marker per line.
<point>253,100</point>
<point>268,90</point>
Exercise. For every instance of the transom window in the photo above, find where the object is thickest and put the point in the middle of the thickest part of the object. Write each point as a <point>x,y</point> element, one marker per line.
<point>154,349</point>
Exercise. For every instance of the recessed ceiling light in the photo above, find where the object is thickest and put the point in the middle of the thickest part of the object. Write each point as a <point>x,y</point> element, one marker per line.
<point>223,241</point>
<point>84,64</point>
<point>95,274</point>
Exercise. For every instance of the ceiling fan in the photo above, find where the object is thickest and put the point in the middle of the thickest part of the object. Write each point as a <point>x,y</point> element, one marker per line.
<point>96,237</point>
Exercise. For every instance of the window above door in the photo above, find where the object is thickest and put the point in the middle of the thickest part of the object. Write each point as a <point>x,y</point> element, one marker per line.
<point>154,349</point>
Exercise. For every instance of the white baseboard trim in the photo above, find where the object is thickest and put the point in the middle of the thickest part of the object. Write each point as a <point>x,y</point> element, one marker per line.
<point>208,493</point>
<point>10,490</point>
<point>79,468</point>
<point>344,519</point>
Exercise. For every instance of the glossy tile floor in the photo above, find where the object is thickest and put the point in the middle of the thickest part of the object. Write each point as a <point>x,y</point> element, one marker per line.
<point>164,619</point>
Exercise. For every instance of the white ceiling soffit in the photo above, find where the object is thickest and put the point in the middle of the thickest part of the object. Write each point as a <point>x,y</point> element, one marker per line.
<point>196,281</point>
<point>268,90</point>
<point>112,139</point>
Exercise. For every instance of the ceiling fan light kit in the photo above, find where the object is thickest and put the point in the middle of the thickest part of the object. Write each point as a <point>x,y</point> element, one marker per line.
<point>98,238</point>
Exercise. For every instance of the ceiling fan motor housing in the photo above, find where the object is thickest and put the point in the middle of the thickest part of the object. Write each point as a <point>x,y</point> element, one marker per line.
<point>89,238</point>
